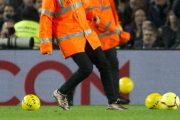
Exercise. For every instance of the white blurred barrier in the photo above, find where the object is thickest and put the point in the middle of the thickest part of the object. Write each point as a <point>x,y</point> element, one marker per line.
<point>28,72</point>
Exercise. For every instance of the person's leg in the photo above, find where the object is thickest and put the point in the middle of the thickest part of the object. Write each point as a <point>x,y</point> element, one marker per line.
<point>85,68</point>
<point>111,56</point>
<point>98,58</point>
<point>70,96</point>
<point>113,61</point>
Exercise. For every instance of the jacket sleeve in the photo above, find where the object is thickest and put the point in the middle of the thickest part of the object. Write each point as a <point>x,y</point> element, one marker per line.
<point>45,33</point>
<point>94,9</point>
<point>87,7</point>
<point>106,24</point>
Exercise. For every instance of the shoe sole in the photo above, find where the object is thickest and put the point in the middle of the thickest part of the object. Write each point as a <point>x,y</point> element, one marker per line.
<point>115,109</point>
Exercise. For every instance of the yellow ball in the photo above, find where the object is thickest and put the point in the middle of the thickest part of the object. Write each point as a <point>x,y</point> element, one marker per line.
<point>170,101</point>
<point>30,102</point>
<point>153,101</point>
<point>126,85</point>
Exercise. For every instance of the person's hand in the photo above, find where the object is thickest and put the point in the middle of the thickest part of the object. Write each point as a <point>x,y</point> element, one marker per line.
<point>49,53</point>
<point>117,31</point>
<point>96,19</point>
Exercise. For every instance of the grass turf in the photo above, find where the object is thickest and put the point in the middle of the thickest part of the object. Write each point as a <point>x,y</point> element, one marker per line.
<point>134,112</point>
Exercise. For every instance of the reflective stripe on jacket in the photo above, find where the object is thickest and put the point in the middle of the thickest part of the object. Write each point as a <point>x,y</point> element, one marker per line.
<point>109,21</point>
<point>67,21</point>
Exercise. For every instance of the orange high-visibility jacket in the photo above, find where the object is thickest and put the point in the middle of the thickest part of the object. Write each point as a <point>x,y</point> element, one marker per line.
<point>109,21</point>
<point>67,21</point>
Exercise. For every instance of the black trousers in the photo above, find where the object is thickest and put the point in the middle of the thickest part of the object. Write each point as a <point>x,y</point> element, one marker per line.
<point>111,56</point>
<point>85,61</point>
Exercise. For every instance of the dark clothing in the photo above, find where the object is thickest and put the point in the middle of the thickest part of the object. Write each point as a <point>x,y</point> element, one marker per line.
<point>158,14</point>
<point>15,3</point>
<point>176,9</point>
<point>171,2</point>
<point>140,45</point>
<point>85,61</point>
<point>168,36</point>
<point>131,28</point>
<point>111,56</point>
<point>20,9</point>
<point>121,16</point>
<point>30,13</point>
<point>128,17</point>
<point>1,23</point>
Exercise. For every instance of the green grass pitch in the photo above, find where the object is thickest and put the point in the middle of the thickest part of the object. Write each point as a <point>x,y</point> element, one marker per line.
<point>134,112</point>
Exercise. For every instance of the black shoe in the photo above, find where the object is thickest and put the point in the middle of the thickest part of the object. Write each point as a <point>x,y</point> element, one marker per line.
<point>70,99</point>
<point>123,101</point>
